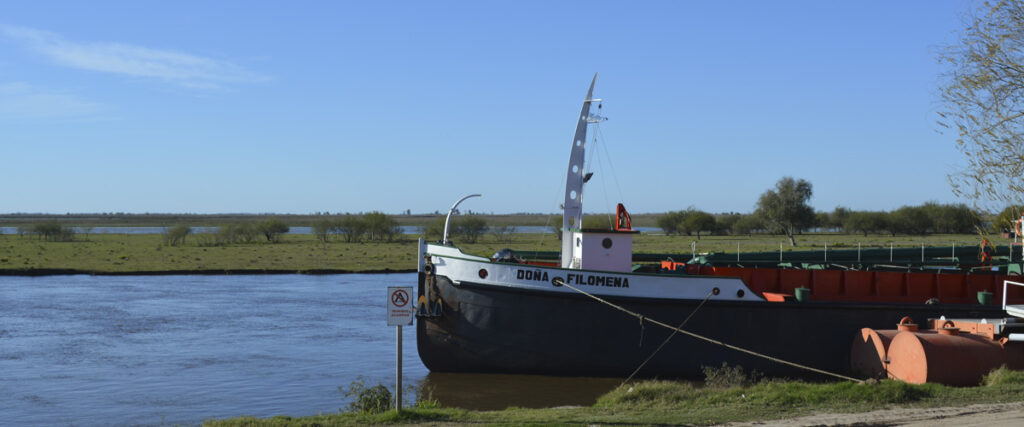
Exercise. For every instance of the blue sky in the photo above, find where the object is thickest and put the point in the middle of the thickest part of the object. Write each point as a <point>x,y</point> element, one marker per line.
<point>299,107</point>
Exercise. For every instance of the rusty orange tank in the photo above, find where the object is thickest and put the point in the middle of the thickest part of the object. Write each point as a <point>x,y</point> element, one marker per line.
<point>868,352</point>
<point>943,357</point>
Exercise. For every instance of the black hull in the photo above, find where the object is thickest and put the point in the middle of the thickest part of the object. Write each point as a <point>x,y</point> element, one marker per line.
<point>486,329</point>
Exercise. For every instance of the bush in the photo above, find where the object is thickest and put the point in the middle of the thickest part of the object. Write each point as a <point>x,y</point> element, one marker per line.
<point>910,220</point>
<point>380,226</point>
<point>670,222</point>
<point>503,233</point>
<point>175,236</point>
<point>227,233</point>
<point>53,231</point>
<point>1003,376</point>
<point>747,224</point>
<point>471,228</point>
<point>272,228</point>
<point>434,231</point>
<point>729,376</point>
<point>367,400</point>
<point>351,227</point>
<point>321,228</point>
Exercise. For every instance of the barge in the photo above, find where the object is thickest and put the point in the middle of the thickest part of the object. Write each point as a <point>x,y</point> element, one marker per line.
<point>590,310</point>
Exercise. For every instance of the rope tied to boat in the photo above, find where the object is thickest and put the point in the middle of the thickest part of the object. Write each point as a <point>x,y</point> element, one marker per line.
<point>561,282</point>
<point>674,331</point>
<point>641,331</point>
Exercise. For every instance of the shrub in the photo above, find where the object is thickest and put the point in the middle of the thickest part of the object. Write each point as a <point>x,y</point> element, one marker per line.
<point>729,376</point>
<point>503,233</point>
<point>53,231</point>
<point>1003,376</point>
<point>272,228</point>
<point>471,228</point>
<point>380,226</point>
<point>351,227</point>
<point>321,229</point>
<point>369,400</point>
<point>434,231</point>
<point>175,236</point>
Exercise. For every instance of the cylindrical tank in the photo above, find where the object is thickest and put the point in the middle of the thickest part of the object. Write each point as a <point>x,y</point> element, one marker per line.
<point>945,358</point>
<point>867,353</point>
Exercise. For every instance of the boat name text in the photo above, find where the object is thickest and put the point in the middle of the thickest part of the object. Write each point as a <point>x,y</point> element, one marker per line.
<point>538,275</point>
<point>610,281</point>
<point>575,279</point>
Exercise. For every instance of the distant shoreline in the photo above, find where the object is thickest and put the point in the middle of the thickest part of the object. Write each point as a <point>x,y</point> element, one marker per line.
<point>38,272</point>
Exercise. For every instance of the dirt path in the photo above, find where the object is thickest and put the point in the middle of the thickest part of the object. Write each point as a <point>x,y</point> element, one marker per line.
<point>998,414</point>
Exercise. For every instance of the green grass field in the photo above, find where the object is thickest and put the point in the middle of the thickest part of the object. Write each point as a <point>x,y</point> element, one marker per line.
<point>675,403</point>
<point>127,253</point>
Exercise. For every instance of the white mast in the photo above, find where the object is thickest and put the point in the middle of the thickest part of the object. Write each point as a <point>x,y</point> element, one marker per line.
<point>572,215</point>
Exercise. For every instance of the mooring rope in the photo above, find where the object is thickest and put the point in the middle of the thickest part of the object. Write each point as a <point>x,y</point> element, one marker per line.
<point>561,282</point>
<point>674,331</point>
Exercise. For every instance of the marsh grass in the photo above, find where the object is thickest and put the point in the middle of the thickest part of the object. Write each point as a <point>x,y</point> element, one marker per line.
<point>121,253</point>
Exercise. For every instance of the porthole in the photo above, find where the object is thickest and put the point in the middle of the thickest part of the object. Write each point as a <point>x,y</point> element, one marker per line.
<point>607,243</point>
<point>482,273</point>
<point>740,293</point>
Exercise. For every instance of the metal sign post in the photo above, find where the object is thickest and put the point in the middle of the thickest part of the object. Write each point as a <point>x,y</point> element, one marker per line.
<point>400,312</point>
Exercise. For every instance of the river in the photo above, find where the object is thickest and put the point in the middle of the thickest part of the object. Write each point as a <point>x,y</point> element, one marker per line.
<point>101,350</point>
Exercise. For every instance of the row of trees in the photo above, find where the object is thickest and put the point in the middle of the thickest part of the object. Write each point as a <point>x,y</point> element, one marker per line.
<point>374,226</point>
<point>785,210</point>
<point>912,220</point>
<point>270,229</point>
<point>51,231</point>
<point>466,228</point>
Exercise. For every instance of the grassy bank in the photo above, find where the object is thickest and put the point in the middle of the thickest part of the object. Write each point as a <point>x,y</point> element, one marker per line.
<point>666,402</point>
<point>135,253</point>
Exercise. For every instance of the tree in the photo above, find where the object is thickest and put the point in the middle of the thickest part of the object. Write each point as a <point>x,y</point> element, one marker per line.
<point>53,231</point>
<point>697,221</point>
<point>910,220</point>
<point>838,218</point>
<point>272,228</point>
<point>670,222</point>
<point>725,222</point>
<point>866,222</point>
<point>351,227</point>
<point>502,233</point>
<point>983,98</point>
<point>380,226</point>
<point>175,236</point>
<point>747,224</point>
<point>1005,219</point>
<point>950,218</point>
<point>786,207</point>
<point>435,229</point>
<point>321,228</point>
<point>471,228</point>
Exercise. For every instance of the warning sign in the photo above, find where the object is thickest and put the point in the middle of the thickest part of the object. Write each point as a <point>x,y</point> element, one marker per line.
<point>400,306</point>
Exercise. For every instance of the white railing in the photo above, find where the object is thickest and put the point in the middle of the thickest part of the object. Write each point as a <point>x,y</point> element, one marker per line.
<point>1016,311</point>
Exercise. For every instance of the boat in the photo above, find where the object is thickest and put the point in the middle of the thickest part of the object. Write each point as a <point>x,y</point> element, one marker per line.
<point>591,311</point>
